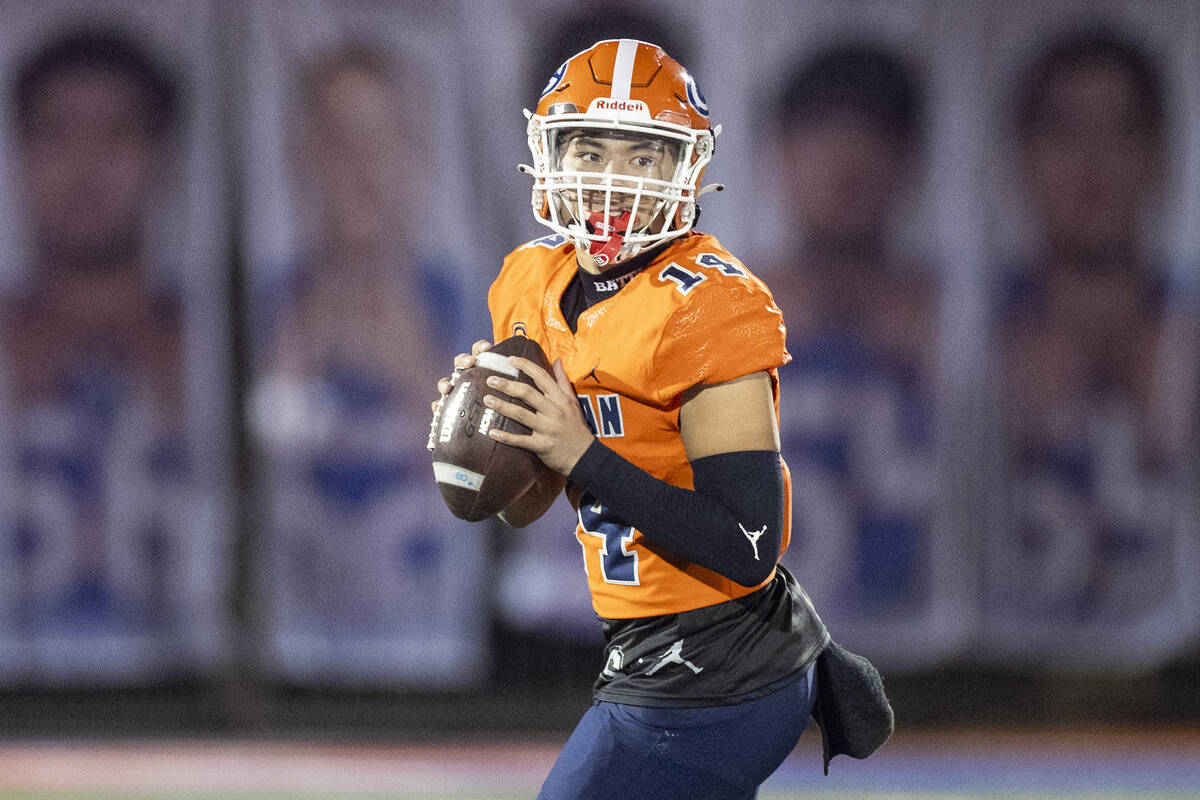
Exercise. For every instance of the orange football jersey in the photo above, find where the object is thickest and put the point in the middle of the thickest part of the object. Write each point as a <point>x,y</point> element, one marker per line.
<point>694,315</point>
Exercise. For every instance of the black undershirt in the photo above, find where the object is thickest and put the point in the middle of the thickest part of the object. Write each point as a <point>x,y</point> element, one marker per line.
<point>586,289</point>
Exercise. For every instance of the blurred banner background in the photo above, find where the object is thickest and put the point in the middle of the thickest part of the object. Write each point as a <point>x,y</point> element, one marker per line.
<point>239,241</point>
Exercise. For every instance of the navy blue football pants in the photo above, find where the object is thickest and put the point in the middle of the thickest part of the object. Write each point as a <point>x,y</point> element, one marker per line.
<point>621,752</point>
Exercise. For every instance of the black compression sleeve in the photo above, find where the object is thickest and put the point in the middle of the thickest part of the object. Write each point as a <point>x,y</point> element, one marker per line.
<point>732,523</point>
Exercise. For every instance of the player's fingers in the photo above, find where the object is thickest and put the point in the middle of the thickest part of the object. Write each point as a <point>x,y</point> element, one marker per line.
<point>542,379</point>
<point>464,361</point>
<point>561,379</point>
<point>480,346</point>
<point>513,411</point>
<point>525,441</point>
<point>444,385</point>
<point>519,390</point>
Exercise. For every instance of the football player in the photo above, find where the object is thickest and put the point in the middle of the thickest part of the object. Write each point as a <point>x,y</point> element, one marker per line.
<point>661,420</point>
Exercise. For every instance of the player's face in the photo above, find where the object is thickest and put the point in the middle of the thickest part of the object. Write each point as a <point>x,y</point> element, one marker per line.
<point>645,157</point>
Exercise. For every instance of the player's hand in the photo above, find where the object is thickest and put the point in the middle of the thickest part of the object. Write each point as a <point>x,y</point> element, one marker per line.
<point>461,361</point>
<point>558,434</point>
<point>444,385</point>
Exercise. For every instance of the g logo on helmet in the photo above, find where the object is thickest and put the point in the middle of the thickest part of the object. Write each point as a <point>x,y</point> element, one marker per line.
<point>694,96</point>
<point>555,79</point>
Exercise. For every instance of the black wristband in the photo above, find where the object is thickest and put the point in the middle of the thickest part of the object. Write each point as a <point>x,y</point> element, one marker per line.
<point>731,524</point>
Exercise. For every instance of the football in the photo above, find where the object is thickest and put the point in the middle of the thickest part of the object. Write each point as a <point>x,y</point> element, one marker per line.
<point>477,475</point>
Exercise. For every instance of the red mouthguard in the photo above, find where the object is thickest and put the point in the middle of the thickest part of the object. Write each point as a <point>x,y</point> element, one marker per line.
<point>605,251</point>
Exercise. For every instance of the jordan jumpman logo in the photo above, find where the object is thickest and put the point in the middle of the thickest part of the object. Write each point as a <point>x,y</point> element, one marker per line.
<point>753,537</point>
<point>674,656</point>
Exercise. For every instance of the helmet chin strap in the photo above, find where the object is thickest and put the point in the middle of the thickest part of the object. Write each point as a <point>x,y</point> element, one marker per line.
<point>605,251</point>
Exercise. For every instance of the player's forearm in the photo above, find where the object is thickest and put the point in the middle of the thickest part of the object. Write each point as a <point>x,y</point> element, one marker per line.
<point>731,524</point>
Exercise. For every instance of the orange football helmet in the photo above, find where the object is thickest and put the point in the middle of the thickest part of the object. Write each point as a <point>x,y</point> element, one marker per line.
<point>619,140</point>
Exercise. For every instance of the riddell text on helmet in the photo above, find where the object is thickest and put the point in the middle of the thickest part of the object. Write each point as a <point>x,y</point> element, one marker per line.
<point>609,104</point>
